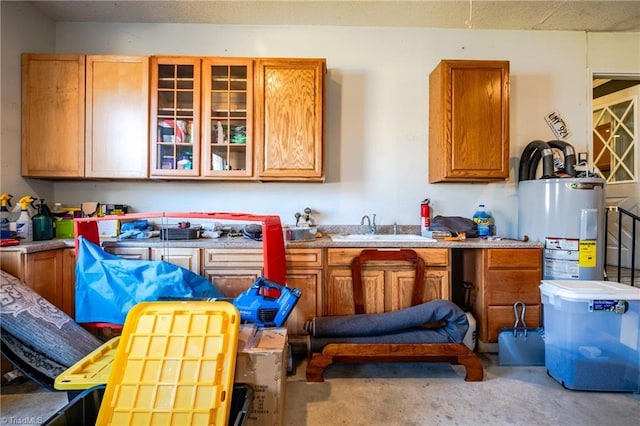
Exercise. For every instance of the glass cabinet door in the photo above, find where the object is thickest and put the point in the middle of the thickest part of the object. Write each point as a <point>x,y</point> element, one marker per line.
<point>227,118</point>
<point>175,116</point>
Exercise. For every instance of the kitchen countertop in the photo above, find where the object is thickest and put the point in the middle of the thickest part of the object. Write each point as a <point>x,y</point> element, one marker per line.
<point>240,242</point>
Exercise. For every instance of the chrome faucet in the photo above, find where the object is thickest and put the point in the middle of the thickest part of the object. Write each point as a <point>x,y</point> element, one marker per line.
<point>370,225</point>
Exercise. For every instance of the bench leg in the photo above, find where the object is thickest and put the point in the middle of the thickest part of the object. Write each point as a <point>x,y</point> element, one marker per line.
<point>316,364</point>
<point>457,354</point>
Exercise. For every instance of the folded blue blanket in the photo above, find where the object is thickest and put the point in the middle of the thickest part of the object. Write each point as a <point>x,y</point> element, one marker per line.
<point>401,326</point>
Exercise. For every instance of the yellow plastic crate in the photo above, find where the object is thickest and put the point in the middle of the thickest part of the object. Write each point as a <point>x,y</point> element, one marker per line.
<point>92,370</point>
<point>174,365</point>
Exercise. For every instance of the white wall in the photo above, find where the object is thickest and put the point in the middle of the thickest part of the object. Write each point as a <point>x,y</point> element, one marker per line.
<point>376,115</point>
<point>23,30</point>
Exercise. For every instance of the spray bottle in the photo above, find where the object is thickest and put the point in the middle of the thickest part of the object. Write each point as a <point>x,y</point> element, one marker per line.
<point>42,223</point>
<point>5,199</point>
<point>24,227</point>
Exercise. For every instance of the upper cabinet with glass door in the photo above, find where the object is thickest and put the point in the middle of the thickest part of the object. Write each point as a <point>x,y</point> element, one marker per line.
<point>227,126</point>
<point>202,116</point>
<point>175,117</point>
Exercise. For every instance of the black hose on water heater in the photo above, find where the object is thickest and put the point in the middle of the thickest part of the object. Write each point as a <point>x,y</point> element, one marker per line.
<point>569,155</point>
<point>531,156</point>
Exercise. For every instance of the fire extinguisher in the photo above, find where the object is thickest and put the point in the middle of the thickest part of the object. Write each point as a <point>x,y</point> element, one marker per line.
<point>425,217</point>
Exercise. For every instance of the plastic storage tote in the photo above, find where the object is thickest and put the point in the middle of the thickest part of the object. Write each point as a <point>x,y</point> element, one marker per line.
<point>174,365</point>
<point>592,337</point>
<point>83,409</point>
<point>90,371</point>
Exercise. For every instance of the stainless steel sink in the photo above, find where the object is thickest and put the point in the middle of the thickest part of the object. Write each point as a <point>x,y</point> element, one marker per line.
<point>382,238</point>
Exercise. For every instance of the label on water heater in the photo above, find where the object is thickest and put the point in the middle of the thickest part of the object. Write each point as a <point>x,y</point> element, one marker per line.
<point>556,269</point>
<point>561,258</point>
<point>587,256</point>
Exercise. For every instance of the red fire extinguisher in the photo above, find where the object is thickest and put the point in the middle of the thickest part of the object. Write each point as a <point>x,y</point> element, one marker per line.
<point>425,216</point>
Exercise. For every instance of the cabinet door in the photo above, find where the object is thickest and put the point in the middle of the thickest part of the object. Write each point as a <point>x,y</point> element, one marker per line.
<point>227,126</point>
<point>53,95</point>
<point>469,121</point>
<point>69,282</point>
<point>304,271</point>
<point>232,282</point>
<point>188,258</point>
<point>233,270</point>
<point>290,119</point>
<point>400,287</point>
<point>43,273</point>
<point>175,116</point>
<point>338,291</point>
<point>117,114</point>
<point>309,282</point>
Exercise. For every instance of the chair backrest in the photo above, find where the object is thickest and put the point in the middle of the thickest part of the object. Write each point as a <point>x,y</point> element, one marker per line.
<point>375,254</point>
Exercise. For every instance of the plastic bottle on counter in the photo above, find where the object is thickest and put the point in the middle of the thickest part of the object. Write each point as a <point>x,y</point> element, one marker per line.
<point>484,220</point>
<point>5,199</point>
<point>42,223</point>
<point>24,226</point>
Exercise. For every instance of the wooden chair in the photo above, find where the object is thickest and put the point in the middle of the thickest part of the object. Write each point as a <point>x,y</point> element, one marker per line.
<point>454,353</point>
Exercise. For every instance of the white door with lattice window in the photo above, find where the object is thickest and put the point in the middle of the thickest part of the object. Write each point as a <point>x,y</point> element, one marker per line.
<point>615,154</point>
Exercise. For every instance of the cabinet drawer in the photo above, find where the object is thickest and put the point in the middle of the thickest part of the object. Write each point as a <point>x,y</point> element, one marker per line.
<point>234,258</point>
<point>342,257</point>
<point>305,258</point>
<point>434,257</point>
<point>137,253</point>
<point>506,287</point>
<point>431,256</point>
<point>503,316</point>
<point>516,258</point>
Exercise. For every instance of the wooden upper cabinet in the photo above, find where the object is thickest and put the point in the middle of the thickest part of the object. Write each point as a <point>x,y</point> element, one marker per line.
<point>227,118</point>
<point>202,117</point>
<point>175,116</point>
<point>85,116</point>
<point>469,121</point>
<point>117,111</point>
<point>290,119</point>
<point>53,93</point>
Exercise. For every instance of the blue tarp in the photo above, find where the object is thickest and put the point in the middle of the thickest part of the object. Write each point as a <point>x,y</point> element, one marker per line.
<point>107,286</point>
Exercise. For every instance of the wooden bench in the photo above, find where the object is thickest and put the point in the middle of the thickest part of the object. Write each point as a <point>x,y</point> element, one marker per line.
<point>352,353</point>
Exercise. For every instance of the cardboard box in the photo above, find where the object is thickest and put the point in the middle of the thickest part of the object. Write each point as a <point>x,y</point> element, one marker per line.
<point>262,363</point>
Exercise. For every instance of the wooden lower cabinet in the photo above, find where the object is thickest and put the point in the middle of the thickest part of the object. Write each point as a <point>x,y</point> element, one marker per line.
<point>41,271</point>
<point>188,258</point>
<point>69,282</point>
<point>304,271</point>
<point>388,285</point>
<point>134,253</point>
<point>49,273</point>
<point>232,270</point>
<point>500,277</point>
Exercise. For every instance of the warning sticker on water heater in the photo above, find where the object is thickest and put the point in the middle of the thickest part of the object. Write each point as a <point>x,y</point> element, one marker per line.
<point>587,254</point>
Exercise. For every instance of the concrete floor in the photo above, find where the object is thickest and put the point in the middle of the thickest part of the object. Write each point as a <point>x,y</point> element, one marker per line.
<point>404,394</point>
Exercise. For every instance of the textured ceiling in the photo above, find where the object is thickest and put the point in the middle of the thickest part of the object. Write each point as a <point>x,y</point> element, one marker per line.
<point>613,16</point>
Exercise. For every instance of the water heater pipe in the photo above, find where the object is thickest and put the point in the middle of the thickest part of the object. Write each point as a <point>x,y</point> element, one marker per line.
<point>569,155</point>
<point>531,155</point>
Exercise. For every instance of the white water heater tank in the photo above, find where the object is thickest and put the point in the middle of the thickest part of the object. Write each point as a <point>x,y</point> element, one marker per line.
<point>567,216</point>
